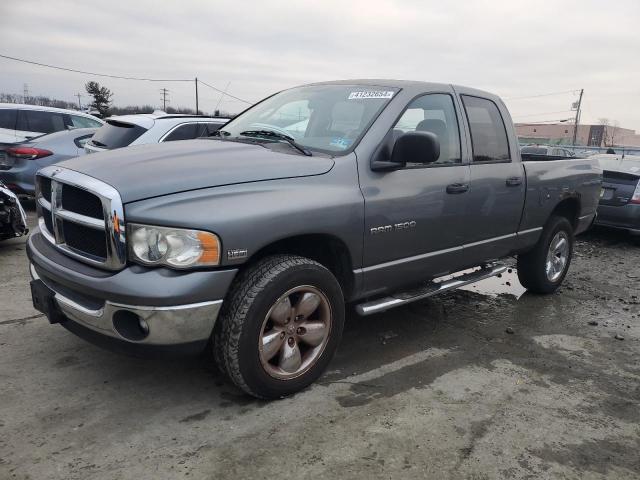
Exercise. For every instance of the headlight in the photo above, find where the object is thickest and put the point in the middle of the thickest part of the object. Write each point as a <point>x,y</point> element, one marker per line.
<point>173,247</point>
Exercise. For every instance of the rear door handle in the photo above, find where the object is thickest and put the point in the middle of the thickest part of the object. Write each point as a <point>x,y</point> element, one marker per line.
<point>514,181</point>
<point>457,188</point>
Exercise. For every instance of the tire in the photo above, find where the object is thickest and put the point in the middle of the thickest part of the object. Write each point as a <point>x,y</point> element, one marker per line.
<point>275,298</point>
<point>533,269</point>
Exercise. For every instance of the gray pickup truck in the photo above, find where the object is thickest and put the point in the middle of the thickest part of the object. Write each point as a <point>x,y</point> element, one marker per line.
<point>246,245</point>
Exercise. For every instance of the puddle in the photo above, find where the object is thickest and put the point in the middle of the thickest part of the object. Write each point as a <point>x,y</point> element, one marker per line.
<point>506,283</point>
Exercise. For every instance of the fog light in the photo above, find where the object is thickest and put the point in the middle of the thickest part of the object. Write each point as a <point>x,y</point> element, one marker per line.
<point>130,326</point>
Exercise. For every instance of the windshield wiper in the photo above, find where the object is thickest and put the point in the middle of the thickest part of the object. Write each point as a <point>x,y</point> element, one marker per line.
<point>279,136</point>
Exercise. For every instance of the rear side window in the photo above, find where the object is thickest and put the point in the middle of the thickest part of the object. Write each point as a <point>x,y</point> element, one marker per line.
<point>114,134</point>
<point>436,114</point>
<point>40,121</point>
<point>8,118</point>
<point>187,131</point>
<point>534,150</point>
<point>83,122</point>
<point>488,133</point>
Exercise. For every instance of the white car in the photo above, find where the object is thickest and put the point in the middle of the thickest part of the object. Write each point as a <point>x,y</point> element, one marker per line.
<point>124,130</point>
<point>19,122</point>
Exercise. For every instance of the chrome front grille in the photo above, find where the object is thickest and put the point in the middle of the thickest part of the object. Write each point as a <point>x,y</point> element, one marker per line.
<point>81,216</point>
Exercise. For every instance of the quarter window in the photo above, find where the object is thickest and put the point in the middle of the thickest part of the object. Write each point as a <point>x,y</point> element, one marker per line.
<point>433,113</point>
<point>488,133</point>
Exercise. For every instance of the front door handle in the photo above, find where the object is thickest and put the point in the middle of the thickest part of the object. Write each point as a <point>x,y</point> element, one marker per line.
<point>514,181</point>
<point>457,188</point>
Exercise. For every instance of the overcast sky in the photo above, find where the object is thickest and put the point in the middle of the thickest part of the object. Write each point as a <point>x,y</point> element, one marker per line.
<point>510,47</point>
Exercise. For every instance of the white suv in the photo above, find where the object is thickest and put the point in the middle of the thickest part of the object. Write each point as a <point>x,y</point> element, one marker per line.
<point>19,122</point>
<point>124,130</point>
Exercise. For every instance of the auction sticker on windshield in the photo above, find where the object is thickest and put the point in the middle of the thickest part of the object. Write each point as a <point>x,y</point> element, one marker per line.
<point>367,94</point>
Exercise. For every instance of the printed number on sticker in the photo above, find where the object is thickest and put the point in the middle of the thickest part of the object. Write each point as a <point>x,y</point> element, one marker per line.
<point>370,94</point>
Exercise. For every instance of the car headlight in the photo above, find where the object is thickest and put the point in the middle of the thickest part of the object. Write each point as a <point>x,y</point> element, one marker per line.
<point>173,247</point>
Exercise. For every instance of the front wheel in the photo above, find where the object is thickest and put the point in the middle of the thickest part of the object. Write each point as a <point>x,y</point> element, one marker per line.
<point>280,326</point>
<point>543,269</point>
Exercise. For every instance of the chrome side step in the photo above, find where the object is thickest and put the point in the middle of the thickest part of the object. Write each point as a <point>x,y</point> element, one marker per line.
<point>428,290</point>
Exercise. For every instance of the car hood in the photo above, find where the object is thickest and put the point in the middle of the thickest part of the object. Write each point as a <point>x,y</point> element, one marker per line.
<point>146,171</point>
<point>615,163</point>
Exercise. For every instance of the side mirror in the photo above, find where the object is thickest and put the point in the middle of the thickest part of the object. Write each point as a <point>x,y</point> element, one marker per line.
<point>416,147</point>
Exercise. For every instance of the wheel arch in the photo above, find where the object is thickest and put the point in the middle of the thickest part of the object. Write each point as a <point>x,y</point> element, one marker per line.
<point>568,208</point>
<point>328,250</point>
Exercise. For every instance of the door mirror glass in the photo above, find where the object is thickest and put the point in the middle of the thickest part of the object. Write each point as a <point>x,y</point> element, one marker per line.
<point>416,147</point>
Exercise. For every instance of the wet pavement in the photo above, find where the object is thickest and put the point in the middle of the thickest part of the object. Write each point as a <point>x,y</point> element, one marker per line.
<point>481,383</point>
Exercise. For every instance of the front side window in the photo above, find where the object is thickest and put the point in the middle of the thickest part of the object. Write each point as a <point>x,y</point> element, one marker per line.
<point>208,128</point>
<point>433,113</point>
<point>326,118</point>
<point>187,131</point>
<point>488,133</point>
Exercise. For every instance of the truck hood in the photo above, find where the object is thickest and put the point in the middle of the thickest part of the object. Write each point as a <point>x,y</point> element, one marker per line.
<point>146,171</point>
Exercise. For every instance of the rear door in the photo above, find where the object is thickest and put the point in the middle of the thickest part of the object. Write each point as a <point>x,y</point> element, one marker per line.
<point>497,187</point>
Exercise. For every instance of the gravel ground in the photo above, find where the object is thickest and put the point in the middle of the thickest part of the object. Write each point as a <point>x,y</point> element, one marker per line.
<point>437,389</point>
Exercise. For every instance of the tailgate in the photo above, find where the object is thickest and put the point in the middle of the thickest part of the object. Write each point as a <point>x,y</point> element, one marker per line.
<point>617,187</point>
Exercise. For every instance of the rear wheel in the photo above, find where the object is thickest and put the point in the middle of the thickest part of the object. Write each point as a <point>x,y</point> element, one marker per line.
<point>543,269</point>
<point>280,326</point>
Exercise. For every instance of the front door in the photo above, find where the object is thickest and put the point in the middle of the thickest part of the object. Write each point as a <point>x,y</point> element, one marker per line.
<point>414,216</point>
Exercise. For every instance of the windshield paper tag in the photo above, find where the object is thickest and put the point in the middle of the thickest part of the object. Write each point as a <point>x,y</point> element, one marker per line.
<point>367,94</point>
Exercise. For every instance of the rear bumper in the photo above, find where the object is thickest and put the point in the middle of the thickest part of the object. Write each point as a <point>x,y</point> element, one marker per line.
<point>20,179</point>
<point>585,222</point>
<point>626,217</point>
<point>171,309</point>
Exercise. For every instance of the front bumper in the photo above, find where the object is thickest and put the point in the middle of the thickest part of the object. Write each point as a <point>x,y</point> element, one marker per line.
<point>626,217</point>
<point>177,308</point>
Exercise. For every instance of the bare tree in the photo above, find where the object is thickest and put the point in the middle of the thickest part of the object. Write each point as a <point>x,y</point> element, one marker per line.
<point>604,122</point>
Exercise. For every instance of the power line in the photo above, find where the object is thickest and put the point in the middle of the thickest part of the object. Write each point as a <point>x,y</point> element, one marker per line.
<point>541,95</point>
<point>73,70</point>
<point>225,93</point>
<point>541,113</point>
<point>95,74</point>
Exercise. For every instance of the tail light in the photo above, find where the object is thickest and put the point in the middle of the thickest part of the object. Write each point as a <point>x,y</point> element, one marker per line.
<point>636,195</point>
<point>28,153</point>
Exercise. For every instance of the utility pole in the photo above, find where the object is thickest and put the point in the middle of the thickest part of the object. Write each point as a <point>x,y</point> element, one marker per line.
<point>79,104</point>
<point>164,93</point>
<point>577,121</point>
<point>25,93</point>
<point>197,96</point>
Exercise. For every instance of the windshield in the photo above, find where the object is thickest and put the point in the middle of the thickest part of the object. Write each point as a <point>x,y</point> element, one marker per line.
<point>327,118</point>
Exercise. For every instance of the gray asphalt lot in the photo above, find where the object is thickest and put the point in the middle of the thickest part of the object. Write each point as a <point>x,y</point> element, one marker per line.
<point>437,389</point>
